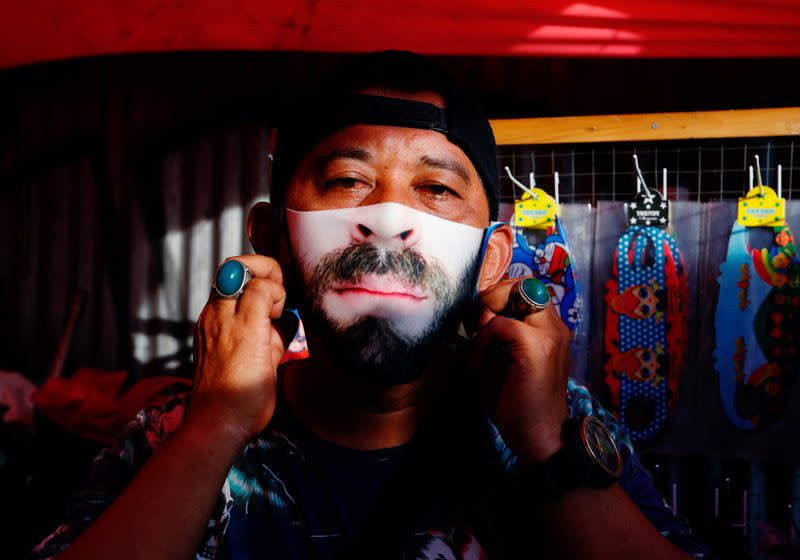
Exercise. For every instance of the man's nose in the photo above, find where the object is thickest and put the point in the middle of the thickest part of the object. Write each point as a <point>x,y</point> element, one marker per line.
<point>387,228</point>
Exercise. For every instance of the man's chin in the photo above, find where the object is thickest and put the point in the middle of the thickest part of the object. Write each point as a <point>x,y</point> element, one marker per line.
<point>372,352</point>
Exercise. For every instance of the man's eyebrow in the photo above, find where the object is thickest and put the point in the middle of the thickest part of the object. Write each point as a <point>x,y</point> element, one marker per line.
<point>341,153</point>
<point>447,165</point>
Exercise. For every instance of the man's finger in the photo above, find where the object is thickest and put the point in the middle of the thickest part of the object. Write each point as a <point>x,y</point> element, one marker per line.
<point>546,318</point>
<point>262,299</point>
<point>496,297</point>
<point>492,300</point>
<point>498,331</point>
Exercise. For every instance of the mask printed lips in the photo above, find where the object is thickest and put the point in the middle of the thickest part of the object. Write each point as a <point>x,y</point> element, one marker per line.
<point>379,286</point>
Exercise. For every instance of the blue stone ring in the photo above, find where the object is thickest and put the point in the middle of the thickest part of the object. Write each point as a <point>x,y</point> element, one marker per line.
<point>528,295</point>
<point>232,277</point>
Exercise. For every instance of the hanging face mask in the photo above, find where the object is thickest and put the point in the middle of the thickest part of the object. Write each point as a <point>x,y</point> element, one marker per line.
<point>551,262</point>
<point>384,281</point>
<point>757,325</point>
<point>646,329</point>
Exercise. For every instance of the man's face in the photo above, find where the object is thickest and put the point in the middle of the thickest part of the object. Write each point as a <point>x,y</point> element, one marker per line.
<point>383,282</point>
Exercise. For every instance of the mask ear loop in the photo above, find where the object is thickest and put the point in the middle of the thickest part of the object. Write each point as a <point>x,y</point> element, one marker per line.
<point>557,240</point>
<point>291,282</point>
<point>292,285</point>
<point>677,316</point>
<point>482,254</point>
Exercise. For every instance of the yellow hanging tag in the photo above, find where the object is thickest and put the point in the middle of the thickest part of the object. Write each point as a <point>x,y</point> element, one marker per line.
<point>761,208</point>
<point>538,212</point>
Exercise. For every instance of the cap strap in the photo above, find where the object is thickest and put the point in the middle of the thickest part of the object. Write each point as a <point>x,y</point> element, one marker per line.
<point>389,111</point>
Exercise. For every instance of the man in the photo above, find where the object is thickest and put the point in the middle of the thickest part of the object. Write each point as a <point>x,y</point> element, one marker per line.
<point>396,437</point>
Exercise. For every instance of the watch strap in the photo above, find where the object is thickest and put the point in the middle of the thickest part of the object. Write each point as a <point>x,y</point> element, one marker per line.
<point>568,468</point>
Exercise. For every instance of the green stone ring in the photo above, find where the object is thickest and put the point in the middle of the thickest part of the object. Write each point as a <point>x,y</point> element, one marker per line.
<point>529,295</point>
<point>232,277</point>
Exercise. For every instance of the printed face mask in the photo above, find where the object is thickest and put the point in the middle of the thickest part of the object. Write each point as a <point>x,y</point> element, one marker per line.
<point>757,321</point>
<point>646,332</point>
<point>383,281</point>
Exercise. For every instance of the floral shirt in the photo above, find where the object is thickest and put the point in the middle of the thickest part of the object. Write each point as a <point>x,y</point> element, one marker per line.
<point>292,495</point>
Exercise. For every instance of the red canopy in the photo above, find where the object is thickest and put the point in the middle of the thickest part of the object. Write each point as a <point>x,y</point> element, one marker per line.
<point>42,30</point>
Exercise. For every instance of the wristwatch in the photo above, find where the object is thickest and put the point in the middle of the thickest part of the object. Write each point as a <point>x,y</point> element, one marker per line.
<point>588,459</point>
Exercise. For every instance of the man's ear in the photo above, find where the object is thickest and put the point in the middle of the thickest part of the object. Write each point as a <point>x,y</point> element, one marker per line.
<point>264,225</point>
<point>497,257</point>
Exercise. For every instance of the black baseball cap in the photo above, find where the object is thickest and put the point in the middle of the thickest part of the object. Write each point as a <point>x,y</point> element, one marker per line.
<point>333,104</point>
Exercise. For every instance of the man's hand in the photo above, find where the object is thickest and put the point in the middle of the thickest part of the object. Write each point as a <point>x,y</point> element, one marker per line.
<point>525,366</point>
<point>238,346</point>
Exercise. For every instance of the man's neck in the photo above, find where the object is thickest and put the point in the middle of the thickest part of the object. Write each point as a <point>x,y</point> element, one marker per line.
<point>337,410</point>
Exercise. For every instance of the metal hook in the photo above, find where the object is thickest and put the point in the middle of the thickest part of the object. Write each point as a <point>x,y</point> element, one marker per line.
<point>780,179</point>
<point>664,181</point>
<point>758,176</point>
<point>641,180</point>
<point>555,185</point>
<point>521,185</point>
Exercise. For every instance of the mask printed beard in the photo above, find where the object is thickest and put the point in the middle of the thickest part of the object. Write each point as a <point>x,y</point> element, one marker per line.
<point>383,283</point>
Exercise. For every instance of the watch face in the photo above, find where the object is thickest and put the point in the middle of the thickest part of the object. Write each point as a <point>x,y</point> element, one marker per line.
<point>601,446</point>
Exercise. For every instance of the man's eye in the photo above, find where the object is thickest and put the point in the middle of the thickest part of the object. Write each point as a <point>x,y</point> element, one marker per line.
<point>438,190</point>
<point>342,182</point>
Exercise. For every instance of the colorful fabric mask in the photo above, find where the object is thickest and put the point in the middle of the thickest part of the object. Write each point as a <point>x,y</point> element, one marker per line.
<point>386,261</point>
<point>646,329</point>
<point>551,262</point>
<point>757,327</point>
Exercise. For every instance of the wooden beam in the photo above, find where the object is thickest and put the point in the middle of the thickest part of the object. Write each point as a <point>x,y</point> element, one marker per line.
<point>747,123</point>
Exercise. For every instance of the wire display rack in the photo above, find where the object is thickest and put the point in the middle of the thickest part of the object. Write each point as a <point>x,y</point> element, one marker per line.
<point>704,170</point>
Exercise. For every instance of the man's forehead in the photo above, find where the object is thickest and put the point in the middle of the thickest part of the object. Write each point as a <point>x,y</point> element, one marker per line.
<point>369,143</point>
